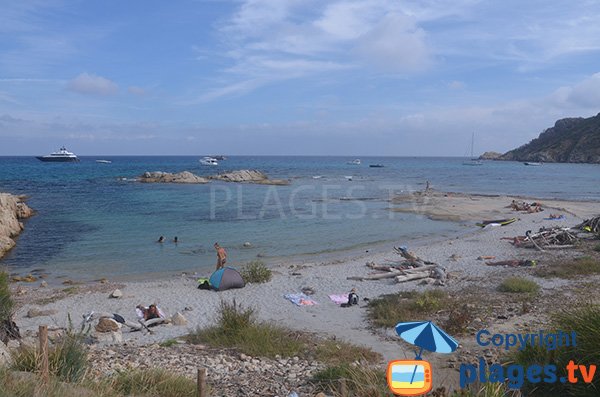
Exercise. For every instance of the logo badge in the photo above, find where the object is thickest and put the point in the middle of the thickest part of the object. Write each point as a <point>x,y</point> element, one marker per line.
<point>409,377</point>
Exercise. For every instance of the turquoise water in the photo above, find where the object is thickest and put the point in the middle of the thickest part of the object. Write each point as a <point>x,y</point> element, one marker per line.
<point>93,220</point>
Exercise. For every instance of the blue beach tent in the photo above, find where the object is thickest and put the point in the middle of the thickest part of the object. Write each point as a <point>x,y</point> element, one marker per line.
<point>226,278</point>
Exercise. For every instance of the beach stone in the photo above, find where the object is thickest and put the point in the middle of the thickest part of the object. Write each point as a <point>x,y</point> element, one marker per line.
<point>178,319</point>
<point>107,325</point>
<point>116,294</point>
<point>43,284</point>
<point>39,313</point>
<point>108,338</point>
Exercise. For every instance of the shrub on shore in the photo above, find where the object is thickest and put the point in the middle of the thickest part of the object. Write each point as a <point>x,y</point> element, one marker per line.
<point>256,272</point>
<point>67,359</point>
<point>518,285</point>
<point>585,322</point>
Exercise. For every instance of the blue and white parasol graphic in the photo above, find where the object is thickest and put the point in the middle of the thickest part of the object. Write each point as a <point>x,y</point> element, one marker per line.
<point>426,335</point>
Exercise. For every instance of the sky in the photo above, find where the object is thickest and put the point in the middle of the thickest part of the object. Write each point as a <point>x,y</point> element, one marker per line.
<point>292,77</point>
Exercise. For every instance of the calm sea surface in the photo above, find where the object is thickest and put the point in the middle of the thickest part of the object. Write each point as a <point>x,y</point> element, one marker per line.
<point>94,220</point>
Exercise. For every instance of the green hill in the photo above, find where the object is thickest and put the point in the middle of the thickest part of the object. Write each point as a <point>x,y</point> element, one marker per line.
<point>571,140</point>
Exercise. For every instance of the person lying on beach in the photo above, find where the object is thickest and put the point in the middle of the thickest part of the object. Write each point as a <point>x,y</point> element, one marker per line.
<point>221,256</point>
<point>150,315</point>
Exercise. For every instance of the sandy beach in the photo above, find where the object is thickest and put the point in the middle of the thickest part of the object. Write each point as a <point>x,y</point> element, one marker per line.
<point>458,255</point>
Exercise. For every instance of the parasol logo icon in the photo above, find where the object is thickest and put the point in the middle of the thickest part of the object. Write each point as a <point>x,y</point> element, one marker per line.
<point>414,377</point>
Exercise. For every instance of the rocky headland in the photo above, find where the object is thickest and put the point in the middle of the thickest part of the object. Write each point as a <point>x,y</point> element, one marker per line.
<point>571,140</point>
<point>12,210</point>
<point>240,176</point>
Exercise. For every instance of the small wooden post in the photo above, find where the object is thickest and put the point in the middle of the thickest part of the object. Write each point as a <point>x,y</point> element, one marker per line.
<point>44,369</point>
<point>202,382</point>
<point>343,388</point>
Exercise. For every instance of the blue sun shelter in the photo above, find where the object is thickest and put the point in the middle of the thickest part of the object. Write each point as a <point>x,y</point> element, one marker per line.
<point>226,278</point>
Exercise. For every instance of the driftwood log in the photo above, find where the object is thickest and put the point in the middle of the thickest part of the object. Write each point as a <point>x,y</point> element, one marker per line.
<point>411,268</point>
<point>547,238</point>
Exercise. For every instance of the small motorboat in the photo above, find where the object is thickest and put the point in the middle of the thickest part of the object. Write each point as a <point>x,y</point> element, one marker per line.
<point>348,177</point>
<point>376,165</point>
<point>354,162</point>
<point>317,177</point>
<point>532,163</point>
<point>103,161</point>
<point>209,161</point>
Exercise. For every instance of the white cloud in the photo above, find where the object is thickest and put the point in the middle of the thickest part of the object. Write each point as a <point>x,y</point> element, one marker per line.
<point>396,45</point>
<point>136,90</point>
<point>585,94</point>
<point>456,85</point>
<point>91,84</point>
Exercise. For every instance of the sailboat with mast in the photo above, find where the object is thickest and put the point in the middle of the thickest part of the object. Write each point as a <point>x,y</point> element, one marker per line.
<point>473,160</point>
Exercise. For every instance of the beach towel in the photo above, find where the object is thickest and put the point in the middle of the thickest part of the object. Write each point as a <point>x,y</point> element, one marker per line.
<point>300,299</point>
<point>338,299</point>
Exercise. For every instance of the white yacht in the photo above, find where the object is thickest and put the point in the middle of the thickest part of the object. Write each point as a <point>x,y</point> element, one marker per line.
<point>60,156</point>
<point>209,161</point>
<point>354,162</point>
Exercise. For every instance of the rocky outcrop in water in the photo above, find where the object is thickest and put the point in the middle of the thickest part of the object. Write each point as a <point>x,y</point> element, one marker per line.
<point>241,176</point>
<point>571,140</point>
<point>249,176</point>
<point>490,156</point>
<point>12,210</point>
<point>166,177</point>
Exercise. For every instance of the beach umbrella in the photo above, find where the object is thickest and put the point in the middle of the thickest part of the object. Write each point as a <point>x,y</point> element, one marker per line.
<point>426,335</point>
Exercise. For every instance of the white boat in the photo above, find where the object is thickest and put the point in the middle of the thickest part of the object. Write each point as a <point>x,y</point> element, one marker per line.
<point>354,162</point>
<point>103,161</point>
<point>473,161</point>
<point>532,163</point>
<point>348,177</point>
<point>60,156</point>
<point>209,161</point>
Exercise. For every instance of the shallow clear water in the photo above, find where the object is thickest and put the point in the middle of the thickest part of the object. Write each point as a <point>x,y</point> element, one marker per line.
<point>93,220</point>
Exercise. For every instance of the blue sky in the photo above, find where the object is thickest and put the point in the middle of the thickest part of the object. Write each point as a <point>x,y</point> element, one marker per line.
<point>368,77</point>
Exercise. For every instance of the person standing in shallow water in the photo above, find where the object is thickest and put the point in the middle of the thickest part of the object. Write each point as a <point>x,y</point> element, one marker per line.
<point>160,239</point>
<point>221,256</point>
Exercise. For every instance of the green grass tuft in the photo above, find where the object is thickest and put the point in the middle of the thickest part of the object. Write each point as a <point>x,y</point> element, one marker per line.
<point>518,285</point>
<point>238,328</point>
<point>584,266</point>
<point>6,302</point>
<point>154,382</point>
<point>358,381</point>
<point>389,310</point>
<point>256,272</point>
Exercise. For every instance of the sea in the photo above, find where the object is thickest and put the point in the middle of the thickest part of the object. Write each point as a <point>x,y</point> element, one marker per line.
<point>96,220</point>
